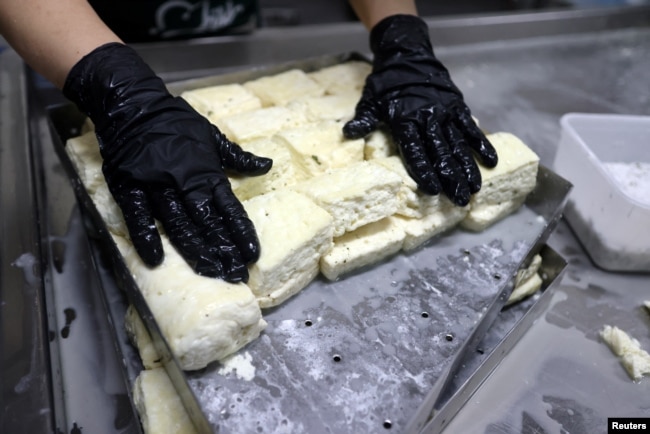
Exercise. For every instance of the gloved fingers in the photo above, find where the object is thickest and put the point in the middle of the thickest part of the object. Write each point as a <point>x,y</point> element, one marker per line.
<point>366,118</point>
<point>184,234</point>
<point>216,235</point>
<point>463,154</point>
<point>477,141</point>
<point>449,172</point>
<point>235,219</point>
<point>234,158</point>
<point>418,165</point>
<point>140,223</point>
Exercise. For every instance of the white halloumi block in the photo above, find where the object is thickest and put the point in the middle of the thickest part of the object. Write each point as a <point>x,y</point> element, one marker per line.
<point>354,195</point>
<point>634,359</point>
<point>286,170</point>
<point>260,123</point>
<point>141,339</point>
<point>343,77</point>
<point>505,187</point>
<point>339,107</point>
<point>85,157</point>
<point>514,176</point>
<point>203,319</point>
<point>437,221</point>
<point>321,146</point>
<point>215,102</point>
<point>294,233</point>
<point>483,215</point>
<point>158,404</point>
<point>365,246</point>
<point>379,144</point>
<point>281,88</point>
<point>416,204</point>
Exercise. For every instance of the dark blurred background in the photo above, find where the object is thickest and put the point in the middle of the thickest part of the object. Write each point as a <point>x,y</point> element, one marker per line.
<point>300,12</point>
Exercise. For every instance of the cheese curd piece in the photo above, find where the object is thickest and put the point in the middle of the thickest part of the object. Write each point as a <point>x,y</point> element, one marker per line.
<point>279,89</point>
<point>286,170</point>
<point>84,154</point>
<point>416,204</point>
<point>339,108</point>
<point>437,220</point>
<point>321,146</point>
<point>355,195</point>
<point>379,144</point>
<point>364,246</point>
<point>140,339</point>
<point>203,319</point>
<point>294,233</point>
<point>634,359</point>
<point>215,102</point>
<point>527,282</point>
<point>525,289</point>
<point>159,406</point>
<point>343,77</point>
<point>260,123</point>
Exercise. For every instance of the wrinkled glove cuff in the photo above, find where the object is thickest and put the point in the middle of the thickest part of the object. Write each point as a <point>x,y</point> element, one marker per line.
<point>101,80</point>
<point>400,33</point>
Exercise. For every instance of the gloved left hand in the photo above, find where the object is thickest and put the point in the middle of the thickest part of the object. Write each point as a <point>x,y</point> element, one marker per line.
<point>164,160</point>
<point>410,91</point>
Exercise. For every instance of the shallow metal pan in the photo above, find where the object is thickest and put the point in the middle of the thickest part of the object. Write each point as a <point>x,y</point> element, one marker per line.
<point>371,352</point>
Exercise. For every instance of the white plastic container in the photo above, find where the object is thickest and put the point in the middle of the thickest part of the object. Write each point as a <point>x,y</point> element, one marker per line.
<point>611,219</point>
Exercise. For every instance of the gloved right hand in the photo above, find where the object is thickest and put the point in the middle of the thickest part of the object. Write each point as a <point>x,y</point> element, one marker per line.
<point>164,160</point>
<point>411,92</point>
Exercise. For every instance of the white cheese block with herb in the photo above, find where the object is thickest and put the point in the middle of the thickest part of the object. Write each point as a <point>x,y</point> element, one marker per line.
<point>279,89</point>
<point>343,77</point>
<point>286,169</point>
<point>321,146</point>
<point>203,319</point>
<point>354,195</point>
<point>364,246</point>
<point>215,102</point>
<point>260,123</point>
<point>294,233</point>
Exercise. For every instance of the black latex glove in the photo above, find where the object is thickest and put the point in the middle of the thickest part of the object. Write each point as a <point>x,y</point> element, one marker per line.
<point>412,94</point>
<point>163,160</point>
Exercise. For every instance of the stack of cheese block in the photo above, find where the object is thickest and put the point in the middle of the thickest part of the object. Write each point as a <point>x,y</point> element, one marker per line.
<point>329,205</point>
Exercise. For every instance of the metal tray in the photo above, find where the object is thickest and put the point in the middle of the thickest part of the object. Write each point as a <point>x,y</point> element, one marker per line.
<point>371,352</point>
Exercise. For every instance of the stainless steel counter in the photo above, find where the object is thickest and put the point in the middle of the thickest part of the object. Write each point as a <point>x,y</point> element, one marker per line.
<point>519,73</point>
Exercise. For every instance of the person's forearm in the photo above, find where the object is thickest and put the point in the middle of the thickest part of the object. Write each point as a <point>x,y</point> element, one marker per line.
<point>52,36</point>
<point>370,12</point>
